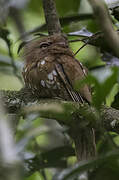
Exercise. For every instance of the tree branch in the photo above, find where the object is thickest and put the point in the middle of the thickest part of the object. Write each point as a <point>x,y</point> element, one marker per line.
<point>51,17</point>
<point>102,15</point>
<point>63,111</point>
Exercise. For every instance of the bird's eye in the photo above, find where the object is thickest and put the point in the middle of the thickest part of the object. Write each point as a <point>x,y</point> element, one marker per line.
<point>44,44</point>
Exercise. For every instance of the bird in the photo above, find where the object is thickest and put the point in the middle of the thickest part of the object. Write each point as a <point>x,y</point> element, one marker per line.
<point>51,70</point>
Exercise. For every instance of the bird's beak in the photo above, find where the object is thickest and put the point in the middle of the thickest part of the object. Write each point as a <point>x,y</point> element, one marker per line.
<point>62,44</point>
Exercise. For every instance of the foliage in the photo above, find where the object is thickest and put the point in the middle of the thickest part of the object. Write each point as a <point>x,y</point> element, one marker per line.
<point>45,146</point>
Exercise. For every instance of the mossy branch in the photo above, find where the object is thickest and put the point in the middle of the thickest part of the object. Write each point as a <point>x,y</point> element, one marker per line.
<point>63,111</point>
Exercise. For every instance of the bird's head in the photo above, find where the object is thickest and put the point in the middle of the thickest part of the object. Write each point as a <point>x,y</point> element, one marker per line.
<point>54,44</point>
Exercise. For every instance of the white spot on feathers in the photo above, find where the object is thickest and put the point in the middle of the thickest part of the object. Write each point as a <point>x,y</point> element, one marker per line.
<point>25,70</point>
<point>42,62</point>
<point>50,76</point>
<point>54,72</point>
<point>42,83</point>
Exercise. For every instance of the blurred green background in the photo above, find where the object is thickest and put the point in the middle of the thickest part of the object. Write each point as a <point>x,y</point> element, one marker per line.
<point>20,17</point>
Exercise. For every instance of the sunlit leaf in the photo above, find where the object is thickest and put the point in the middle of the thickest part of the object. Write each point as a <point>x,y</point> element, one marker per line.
<point>35,176</point>
<point>82,32</point>
<point>111,96</point>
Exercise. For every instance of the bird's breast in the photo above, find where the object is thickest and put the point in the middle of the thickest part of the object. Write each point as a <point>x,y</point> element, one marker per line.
<point>42,77</point>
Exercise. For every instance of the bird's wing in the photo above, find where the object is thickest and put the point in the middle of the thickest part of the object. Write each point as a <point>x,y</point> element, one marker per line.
<point>75,96</point>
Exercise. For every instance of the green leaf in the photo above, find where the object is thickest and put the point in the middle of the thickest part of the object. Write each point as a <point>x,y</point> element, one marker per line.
<point>82,166</point>
<point>35,176</point>
<point>103,81</point>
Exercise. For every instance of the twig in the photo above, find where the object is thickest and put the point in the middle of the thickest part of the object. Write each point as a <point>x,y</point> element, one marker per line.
<point>80,48</point>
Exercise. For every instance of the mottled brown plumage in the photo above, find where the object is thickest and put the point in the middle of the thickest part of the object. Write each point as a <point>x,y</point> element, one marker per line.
<point>51,70</point>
